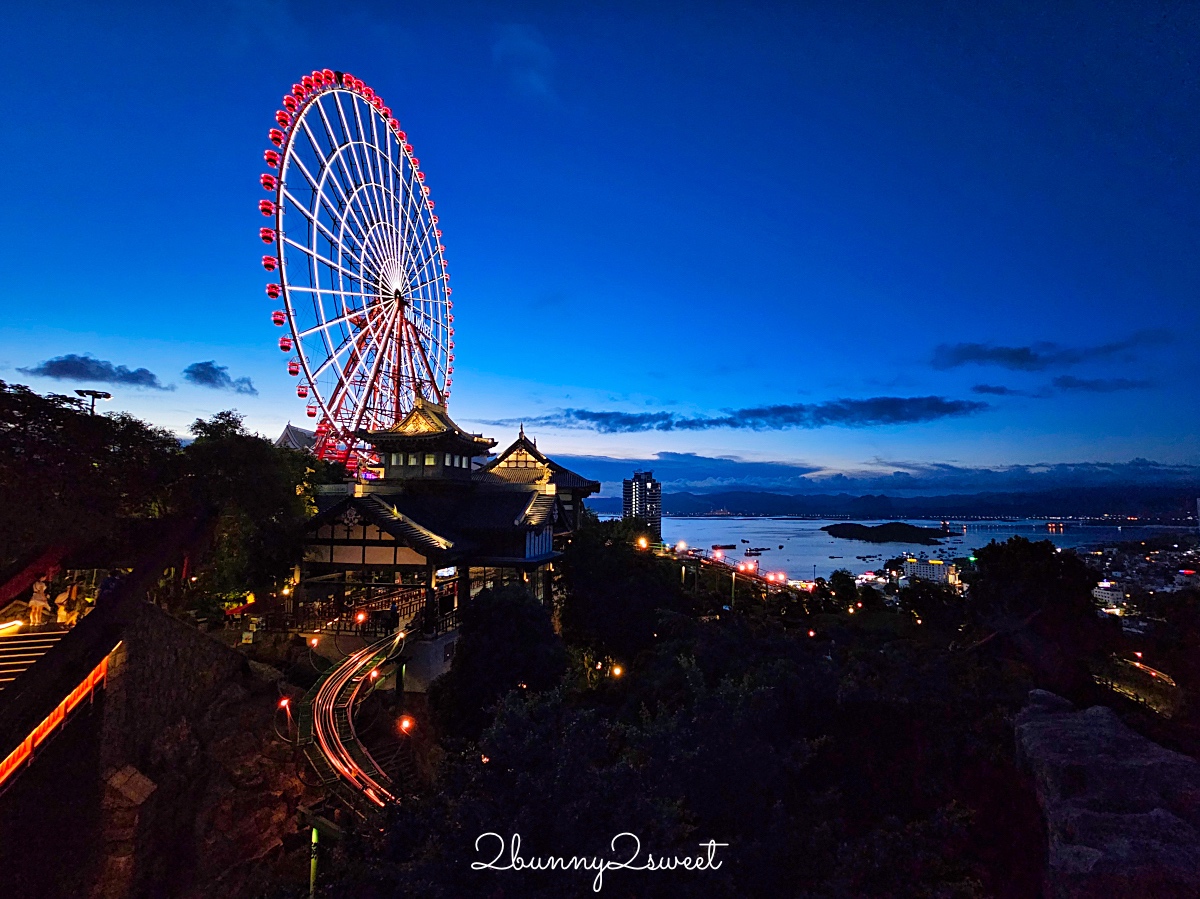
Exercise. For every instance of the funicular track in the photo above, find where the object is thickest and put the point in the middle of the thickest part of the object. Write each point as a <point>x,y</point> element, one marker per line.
<point>327,736</point>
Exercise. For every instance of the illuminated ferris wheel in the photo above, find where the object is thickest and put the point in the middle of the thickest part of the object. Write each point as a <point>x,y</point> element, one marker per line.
<point>361,268</point>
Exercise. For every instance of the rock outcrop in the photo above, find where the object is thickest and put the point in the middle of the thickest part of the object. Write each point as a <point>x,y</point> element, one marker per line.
<point>1122,813</point>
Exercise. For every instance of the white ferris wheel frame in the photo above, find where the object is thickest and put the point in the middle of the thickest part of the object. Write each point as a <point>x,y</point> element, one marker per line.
<point>362,268</point>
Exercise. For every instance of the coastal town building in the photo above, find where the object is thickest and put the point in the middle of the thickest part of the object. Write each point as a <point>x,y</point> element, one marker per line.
<point>935,570</point>
<point>641,497</point>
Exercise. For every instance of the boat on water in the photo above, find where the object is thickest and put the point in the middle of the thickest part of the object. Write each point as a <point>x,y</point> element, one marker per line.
<point>835,557</point>
<point>724,546</point>
<point>752,552</point>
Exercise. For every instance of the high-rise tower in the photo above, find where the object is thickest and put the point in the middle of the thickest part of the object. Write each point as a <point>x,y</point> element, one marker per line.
<point>642,498</point>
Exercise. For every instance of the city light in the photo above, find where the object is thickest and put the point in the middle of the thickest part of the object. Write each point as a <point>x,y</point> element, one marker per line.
<point>11,625</point>
<point>406,723</point>
<point>812,633</point>
<point>283,703</point>
<point>642,542</point>
<point>680,546</point>
<point>360,617</point>
<point>374,674</point>
<point>401,635</point>
<point>617,671</point>
<point>313,641</point>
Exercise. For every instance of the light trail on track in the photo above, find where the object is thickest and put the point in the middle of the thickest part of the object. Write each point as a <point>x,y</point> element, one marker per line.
<point>333,721</point>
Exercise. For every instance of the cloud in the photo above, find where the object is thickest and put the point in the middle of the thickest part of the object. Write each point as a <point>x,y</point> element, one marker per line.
<point>1038,356</point>
<point>997,390</point>
<point>73,367</point>
<point>521,51</point>
<point>874,412</point>
<point>209,374</point>
<point>1099,385</point>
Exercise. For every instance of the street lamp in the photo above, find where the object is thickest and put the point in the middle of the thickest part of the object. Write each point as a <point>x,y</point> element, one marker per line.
<point>94,395</point>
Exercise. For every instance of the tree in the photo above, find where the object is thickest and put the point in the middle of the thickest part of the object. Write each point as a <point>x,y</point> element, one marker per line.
<point>871,599</point>
<point>260,495</point>
<point>844,587</point>
<point>506,642</point>
<point>1039,599</point>
<point>67,477</point>
<point>615,591</point>
<point>939,608</point>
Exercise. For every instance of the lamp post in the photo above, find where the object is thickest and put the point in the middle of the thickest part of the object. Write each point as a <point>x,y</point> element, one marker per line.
<point>94,395</point>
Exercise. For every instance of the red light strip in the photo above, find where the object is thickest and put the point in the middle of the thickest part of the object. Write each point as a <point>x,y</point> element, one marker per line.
<point>38,735</point>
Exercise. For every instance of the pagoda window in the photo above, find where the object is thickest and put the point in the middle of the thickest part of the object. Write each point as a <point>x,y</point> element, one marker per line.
<point>397,458</point>
<point>431,458</point>
<point>412,458</point>
<point>448,460</point>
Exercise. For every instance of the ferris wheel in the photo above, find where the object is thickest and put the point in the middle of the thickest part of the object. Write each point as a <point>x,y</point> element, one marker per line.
<point>362,271</point>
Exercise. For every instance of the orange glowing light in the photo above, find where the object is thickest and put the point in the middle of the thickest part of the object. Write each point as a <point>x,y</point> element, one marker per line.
<point>313,641</point>
<point>406,723</point>
<point>360,617</point>
<point>812,633</point>
<point>618,670</point>
<point>283,703</point>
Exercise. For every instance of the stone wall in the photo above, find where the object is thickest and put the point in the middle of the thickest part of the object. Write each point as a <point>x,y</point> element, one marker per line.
<point>164,670</point>
<point>1122,813</point>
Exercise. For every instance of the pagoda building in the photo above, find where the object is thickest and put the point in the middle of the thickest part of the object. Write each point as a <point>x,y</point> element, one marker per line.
<point>437,513</point>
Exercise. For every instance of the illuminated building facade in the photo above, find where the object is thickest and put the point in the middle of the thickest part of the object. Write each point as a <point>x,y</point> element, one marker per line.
<point>935,570</point>
<point>641,497</point>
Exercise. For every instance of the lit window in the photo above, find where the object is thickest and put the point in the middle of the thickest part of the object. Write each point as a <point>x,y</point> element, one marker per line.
<point>447,460</point>
<point>431,458</point>
<point>397,458</point>
<point>412,458</point>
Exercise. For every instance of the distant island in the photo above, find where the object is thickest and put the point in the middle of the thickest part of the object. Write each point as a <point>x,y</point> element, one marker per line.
<point>892,532</point>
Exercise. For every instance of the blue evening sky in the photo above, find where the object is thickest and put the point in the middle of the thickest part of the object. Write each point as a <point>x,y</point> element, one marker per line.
<point>859,237</point>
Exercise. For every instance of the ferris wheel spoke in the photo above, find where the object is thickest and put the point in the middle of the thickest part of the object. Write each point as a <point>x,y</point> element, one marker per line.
<point>334,240</point>
<point>332,166</point>
<point>333,357</point>
<point>377,184</point>
<point>323,201</point>
<point>342,319</point>
<point>356,364</point>
<point>351,142</point>
<point>326,261</point>
<point>364,397</point>
<point>428,368</point>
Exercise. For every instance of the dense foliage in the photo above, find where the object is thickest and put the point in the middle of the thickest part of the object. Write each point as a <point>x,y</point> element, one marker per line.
<point>82,481</point>
<point>873,758</point>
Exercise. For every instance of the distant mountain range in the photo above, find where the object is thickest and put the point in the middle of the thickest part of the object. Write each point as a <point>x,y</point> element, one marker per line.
<point>1155,502</point>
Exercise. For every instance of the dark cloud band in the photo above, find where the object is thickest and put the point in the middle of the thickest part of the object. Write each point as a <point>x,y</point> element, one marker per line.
<point>1038,356</point>
<point>875,412</point>
<point>216,377</point>
<point>74,367</point>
